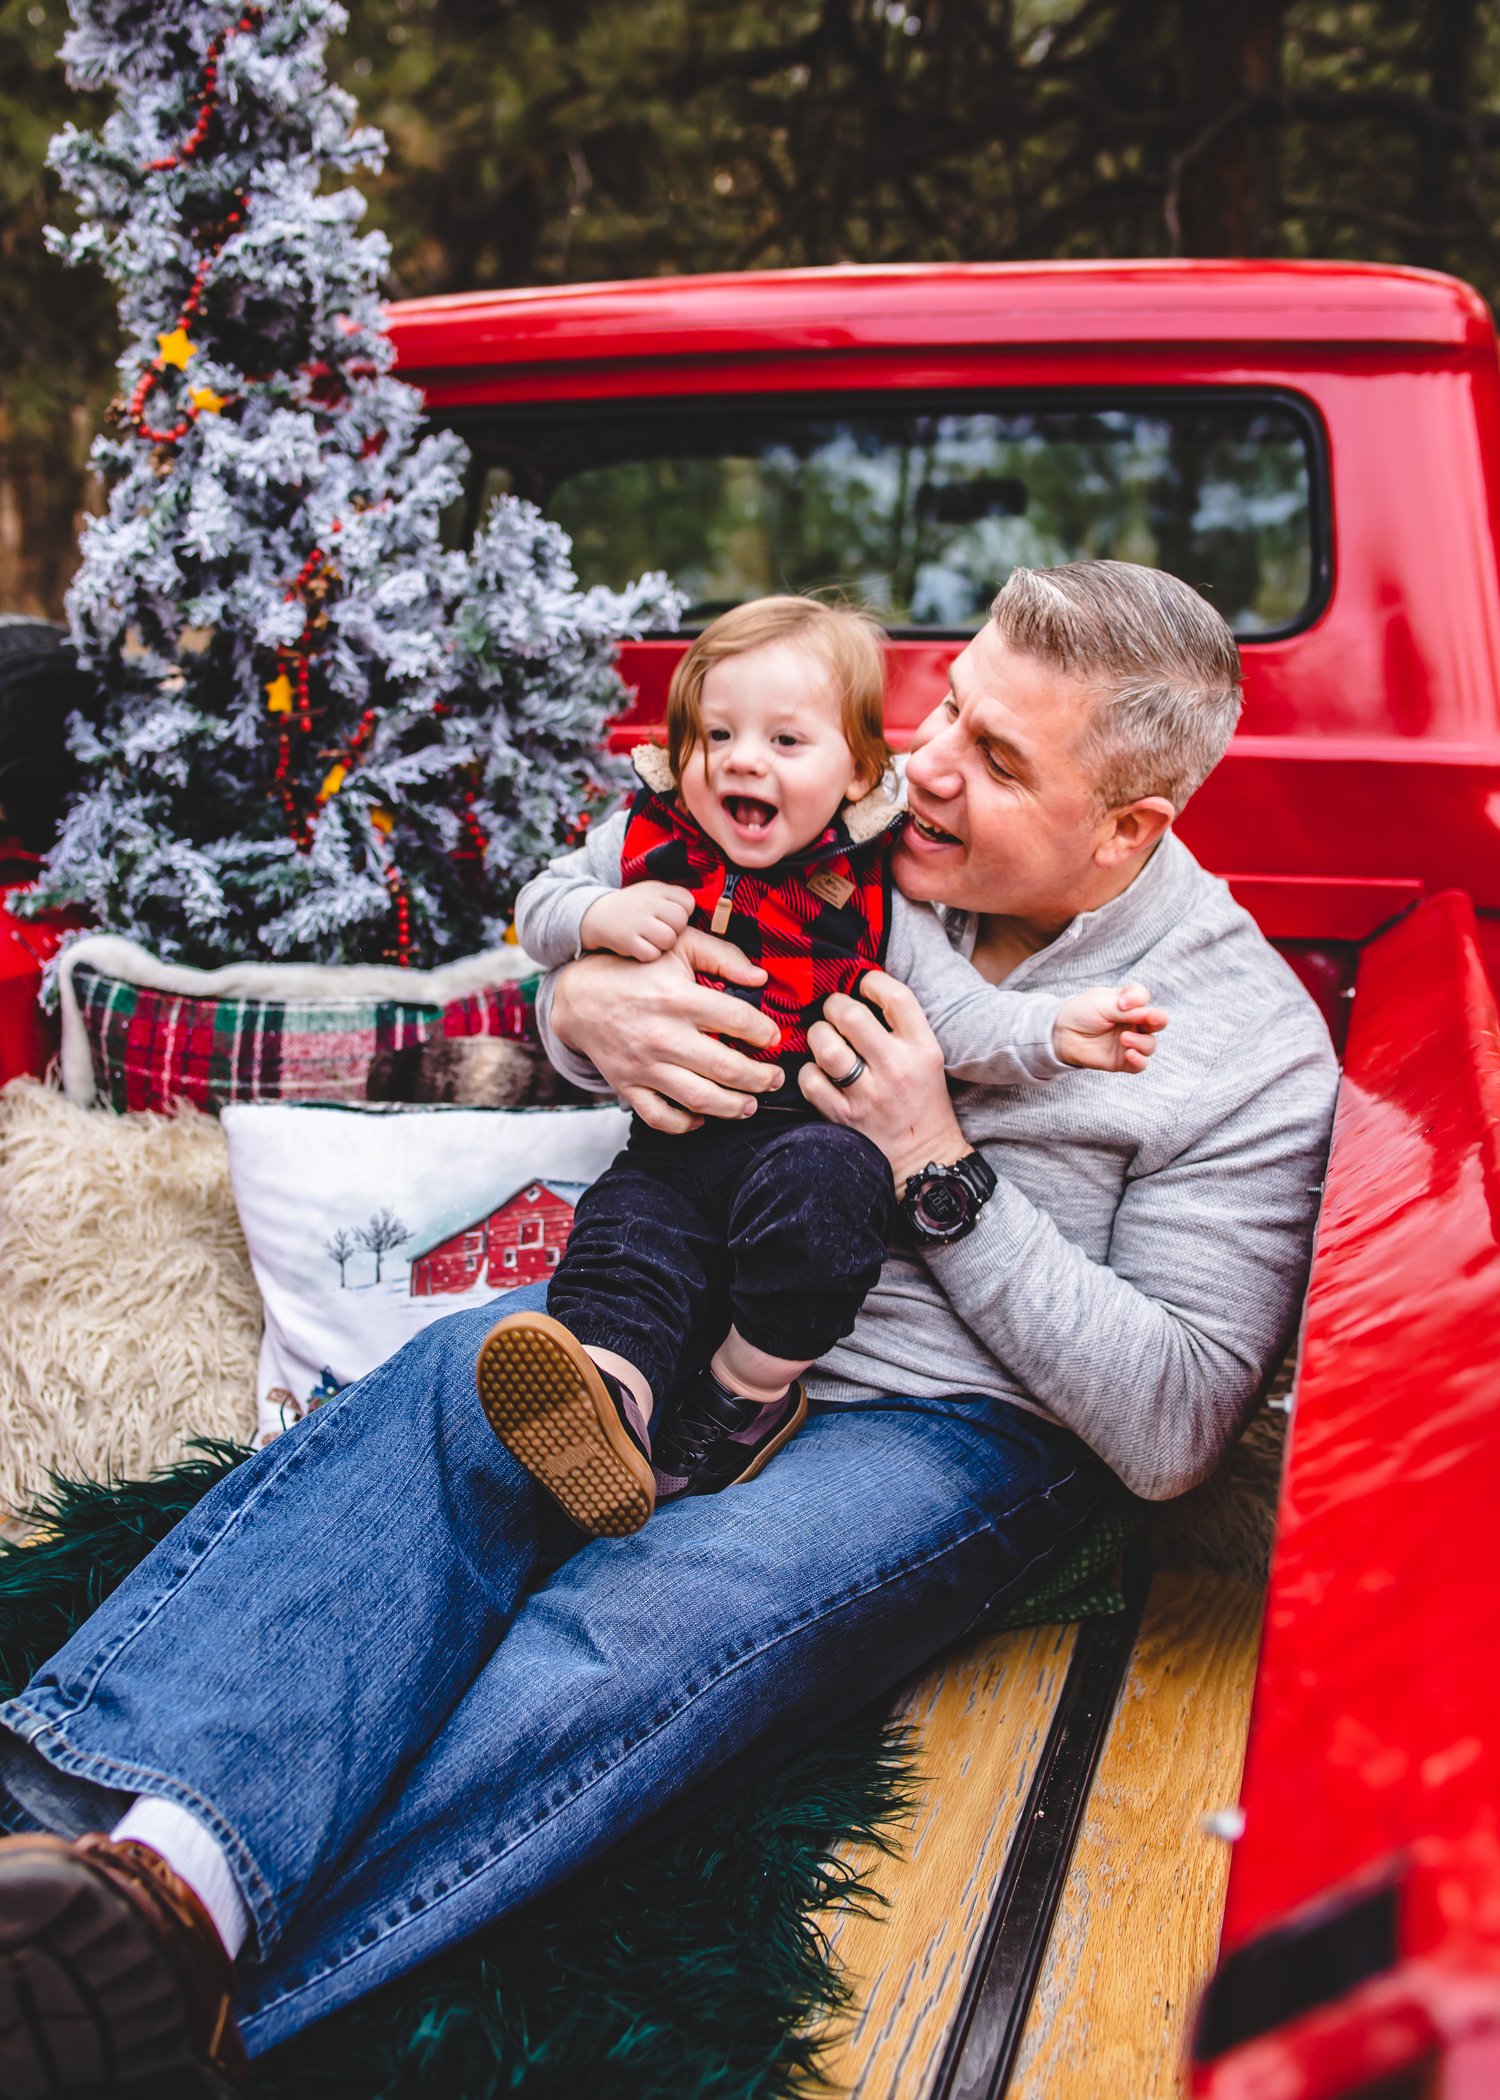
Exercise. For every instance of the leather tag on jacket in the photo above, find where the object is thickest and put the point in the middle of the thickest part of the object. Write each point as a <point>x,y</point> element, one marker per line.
<point>830,888</point>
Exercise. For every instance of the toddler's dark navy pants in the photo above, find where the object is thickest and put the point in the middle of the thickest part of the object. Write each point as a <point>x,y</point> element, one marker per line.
<point>777,1225</point>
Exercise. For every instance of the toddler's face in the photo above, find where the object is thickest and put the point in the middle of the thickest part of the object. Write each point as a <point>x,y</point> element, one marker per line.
<point>771,766</point>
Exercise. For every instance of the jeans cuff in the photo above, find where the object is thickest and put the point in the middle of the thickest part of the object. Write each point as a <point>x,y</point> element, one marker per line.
<point>49,1798</point>
<point>72,1791</point>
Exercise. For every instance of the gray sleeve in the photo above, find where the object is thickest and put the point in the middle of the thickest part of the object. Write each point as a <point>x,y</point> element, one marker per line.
<point>550,909</point>
<point>988,1035</point>
<point>1155,1360</point>
<point>573,1066</point>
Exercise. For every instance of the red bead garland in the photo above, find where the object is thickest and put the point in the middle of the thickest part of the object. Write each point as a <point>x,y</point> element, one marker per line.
<point>249,20</point>
<point>172,435</point>
<point>294,663</point>
<point>478,844</point>
<point>296,826</point>
<point>402,903</point>
<point>143,387</point>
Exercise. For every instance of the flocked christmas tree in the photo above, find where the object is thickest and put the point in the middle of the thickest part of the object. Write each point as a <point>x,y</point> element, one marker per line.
<point>320,734</point>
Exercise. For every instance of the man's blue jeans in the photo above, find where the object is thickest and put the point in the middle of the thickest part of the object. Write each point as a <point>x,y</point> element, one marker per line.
<point>371,1661</point>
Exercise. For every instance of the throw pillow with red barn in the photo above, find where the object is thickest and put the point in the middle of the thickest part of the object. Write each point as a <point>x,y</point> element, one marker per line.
<point>365,1224</point>
<point>521,1241</point>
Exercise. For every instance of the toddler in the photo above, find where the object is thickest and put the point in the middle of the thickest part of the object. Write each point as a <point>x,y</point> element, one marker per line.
<point>716,1266</point>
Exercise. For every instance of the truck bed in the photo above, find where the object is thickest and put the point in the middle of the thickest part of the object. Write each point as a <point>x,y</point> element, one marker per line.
<point>1136,1929</point>
<point>1052,1923</point>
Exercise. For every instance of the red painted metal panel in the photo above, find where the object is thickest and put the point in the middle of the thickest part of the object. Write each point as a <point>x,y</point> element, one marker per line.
<point>1489,948</point>
<point>1410,644</point>
<point>28,1037</point>
<point>1371,810</point>
<point>1320,907</point>
<point>1375,1737</point>
<point>976,303</point>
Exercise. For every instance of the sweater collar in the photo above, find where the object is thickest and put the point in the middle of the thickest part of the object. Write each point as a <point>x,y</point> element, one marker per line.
<point>1116,935</point>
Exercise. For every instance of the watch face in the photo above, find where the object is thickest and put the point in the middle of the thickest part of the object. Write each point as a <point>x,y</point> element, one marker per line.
<point>943,1204</point>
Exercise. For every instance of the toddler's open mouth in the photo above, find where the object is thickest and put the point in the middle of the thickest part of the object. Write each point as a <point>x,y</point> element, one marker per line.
<point>749,812</point>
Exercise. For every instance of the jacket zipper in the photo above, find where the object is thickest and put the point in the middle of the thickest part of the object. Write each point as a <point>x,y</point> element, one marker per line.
<point>719,923</point>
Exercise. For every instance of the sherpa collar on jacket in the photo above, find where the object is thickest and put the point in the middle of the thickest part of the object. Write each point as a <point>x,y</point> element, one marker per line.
<point>862,821</point>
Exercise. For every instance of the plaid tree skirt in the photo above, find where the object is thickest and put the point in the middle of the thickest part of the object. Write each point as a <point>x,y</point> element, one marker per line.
<point>152,1049</point>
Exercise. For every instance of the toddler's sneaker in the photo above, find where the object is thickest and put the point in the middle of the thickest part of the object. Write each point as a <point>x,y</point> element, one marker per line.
<point>576,1430</point>
<point>714,1438</point>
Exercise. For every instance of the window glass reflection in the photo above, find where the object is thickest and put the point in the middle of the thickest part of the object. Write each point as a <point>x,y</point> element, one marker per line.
<point>922,513</point>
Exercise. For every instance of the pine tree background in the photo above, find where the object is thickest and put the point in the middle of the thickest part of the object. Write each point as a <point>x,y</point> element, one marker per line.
<point>322,735</point>
<point>545,141</point>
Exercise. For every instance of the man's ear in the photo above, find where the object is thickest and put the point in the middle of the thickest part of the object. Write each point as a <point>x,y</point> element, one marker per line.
<point>1132,830</point>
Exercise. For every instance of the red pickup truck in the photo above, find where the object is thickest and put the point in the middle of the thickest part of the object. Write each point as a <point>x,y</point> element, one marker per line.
<point>1318,448</point>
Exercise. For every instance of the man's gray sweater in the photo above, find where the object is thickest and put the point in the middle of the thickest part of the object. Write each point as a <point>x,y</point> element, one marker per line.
<point>1138,1271</point>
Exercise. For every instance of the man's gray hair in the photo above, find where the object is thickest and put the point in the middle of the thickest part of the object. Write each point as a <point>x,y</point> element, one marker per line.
<point>1162,666</point>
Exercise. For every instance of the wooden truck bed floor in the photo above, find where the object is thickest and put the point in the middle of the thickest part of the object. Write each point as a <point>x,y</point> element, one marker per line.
<point>1136,1929</point>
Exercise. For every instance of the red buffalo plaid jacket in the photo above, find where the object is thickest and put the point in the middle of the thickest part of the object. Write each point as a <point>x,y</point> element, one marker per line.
<point>815,923</point>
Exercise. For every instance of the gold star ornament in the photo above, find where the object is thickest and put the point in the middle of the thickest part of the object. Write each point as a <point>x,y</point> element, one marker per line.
<point>176,349</point>
<point>279,694</point>
<point>207,402</point>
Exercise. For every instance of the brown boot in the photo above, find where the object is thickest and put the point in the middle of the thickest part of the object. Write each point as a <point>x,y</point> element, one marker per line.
<point>112,1977</point>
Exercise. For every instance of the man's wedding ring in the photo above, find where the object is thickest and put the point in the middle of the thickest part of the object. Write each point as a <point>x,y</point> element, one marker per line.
<point>851,1075</point>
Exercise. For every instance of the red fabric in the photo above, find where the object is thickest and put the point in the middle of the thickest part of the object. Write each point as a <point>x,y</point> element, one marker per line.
<point>809,945</point>
<point>152,1049</point>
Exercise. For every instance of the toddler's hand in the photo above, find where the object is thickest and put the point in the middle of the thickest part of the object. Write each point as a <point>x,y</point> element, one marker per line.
<point>1109,1028</point>
<point>642,922</point>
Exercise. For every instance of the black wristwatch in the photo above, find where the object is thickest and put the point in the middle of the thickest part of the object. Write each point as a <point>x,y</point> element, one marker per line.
<point>942,1204</point>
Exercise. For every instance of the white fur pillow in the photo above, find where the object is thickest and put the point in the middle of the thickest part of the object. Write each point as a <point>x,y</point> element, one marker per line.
<point>129,1317</point>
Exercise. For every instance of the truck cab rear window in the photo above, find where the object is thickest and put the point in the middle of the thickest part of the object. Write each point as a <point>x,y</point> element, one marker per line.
<point>923,511</point>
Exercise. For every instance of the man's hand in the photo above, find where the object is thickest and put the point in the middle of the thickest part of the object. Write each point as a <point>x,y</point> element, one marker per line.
<point>652,1031</point>
<point>900,1100</point>
<point>643,922</point>
<point>1108,1028</point>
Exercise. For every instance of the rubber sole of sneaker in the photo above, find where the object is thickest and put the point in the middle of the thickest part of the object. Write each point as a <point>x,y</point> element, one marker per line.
<point>89,2002</point>
<point>543,1397</point>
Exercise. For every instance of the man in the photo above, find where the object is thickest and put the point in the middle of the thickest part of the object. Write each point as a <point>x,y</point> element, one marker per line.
<point>1099,1273</point>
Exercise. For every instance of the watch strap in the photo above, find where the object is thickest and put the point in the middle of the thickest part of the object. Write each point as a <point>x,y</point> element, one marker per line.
<point>978,1173</point>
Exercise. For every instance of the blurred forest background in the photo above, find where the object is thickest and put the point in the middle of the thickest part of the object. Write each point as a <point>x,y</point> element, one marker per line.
<point>538,141</point>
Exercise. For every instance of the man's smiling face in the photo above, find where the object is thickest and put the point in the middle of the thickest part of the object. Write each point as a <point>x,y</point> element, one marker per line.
<point>1005,818</point>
